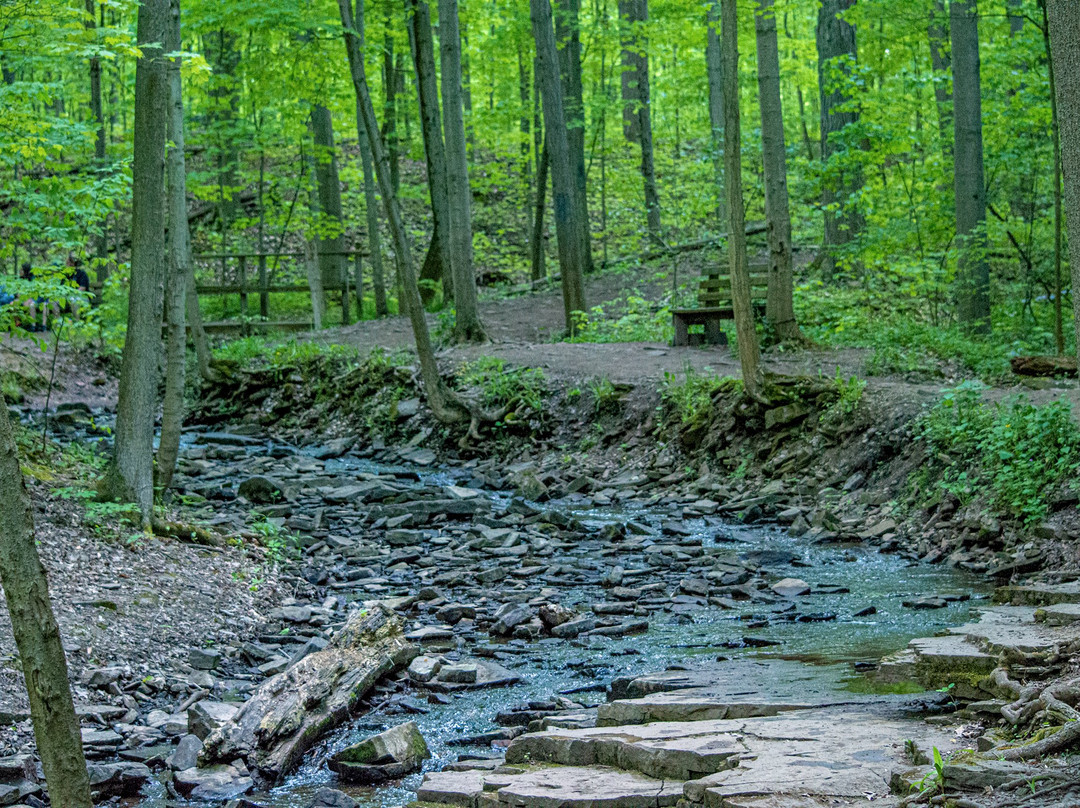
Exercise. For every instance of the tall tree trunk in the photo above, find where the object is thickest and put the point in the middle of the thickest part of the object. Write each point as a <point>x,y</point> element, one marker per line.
<point>644,124</point>
<point>1064,19</point>
<point>973,268</point>
<point>1055,136</point>
<point>568,35</point>
<point>714,67</point>
<point>749,352</point>
<point>421,43</point>
<point>524,126</point>
<point>315,282</point>
<point>539,270</point>
<point>445,405</point>
<point>836,44</point>
<point>130,475</point>
<point>390,88</point>
<point>225,58</point>
<point>780,307</point>
<point>354,49</point>
<point>1022,203</point>
<point>467,327</point>
<point>572,248</point>
<point>332,264</point>
<point>101,240</point>
<point>179,265</point>
<point>942,66</point>
<point>41,651</point>
<point>629,11</point>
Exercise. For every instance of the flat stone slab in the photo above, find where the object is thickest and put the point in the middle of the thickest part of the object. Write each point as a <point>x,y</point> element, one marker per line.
<point>1064,614</point>
<point>670,750</point>
<point>556,787</point>
<point>735,689</point>
<point>1038,594</point>
<point>817,758</point>
<point>1013,629</point>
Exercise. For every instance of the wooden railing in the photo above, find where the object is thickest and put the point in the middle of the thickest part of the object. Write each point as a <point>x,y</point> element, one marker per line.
<point>243,283</point>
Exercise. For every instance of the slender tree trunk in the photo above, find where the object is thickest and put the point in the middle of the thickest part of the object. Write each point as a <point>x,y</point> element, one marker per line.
<point>780,307</point>
<point>467,326</point>
<point>1064,23</point>
<point>1022,203</point>
<point>421,42</point>
<point>973,268</point>
<point>101,240</point>
<point>524,126</point>
<point>332,264</point>
<point>1055,135</point>
<point>466,87</point>
<point>130,475</point>
<point>390,88</point>
<point>225,58</point>
<point>837,50</point>
<point>714,66</point>
<point>539,270</point>
<point>749,353</point>
<point>568,35</point>
<point>629,11</point>
<point>444,405</point>
<point>179,266</point>
<point>636,95</point>
<point>941,63</point>
<point>41,651</point>
<point>572,249</point>
<point>354,49</point>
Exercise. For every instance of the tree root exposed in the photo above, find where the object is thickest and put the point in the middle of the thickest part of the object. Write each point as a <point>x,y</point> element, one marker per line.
<point>1035,704</point>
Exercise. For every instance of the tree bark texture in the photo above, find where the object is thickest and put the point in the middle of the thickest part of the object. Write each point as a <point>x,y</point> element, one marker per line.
<point>421,42</point>
<point>390,86</point>
<point>467,326</point>
<point>332,263</point>
<point>101,241</point>
<point>635,15</point>
<point>41,651</point>
<point>714,67</point>
<point>568,37</point>
<point>130,475</point>
<point>1064,18</point>
<point>941,62</point>
<point>353,34</point>
<point>780,307</point>
<point>539,270</point>
<point>179,266</point>
<point>439,397</point>
<point>837,49</point>
<point>749,352</point>
<point>973,267</point>
<point>571,247</point>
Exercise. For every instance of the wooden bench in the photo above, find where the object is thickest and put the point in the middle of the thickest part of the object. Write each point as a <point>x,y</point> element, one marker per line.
<point>714,305</point>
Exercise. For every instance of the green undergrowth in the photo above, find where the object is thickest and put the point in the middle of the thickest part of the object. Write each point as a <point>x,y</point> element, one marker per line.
<point>1014,454</point>
<point>907,335</point>
<point>686,401</point>
<point>499,385</point>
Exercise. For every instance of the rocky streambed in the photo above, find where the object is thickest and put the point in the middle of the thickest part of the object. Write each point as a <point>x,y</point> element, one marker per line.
<point>509,603</point>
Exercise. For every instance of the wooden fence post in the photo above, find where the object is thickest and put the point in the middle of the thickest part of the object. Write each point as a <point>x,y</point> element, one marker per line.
<point>264,294</point>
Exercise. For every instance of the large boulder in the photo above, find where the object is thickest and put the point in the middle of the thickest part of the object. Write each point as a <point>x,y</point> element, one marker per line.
<point>294,709</point>
<point>386,756</point>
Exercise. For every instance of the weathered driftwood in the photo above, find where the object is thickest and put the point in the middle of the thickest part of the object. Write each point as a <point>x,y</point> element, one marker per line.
<point>1043,365</point>
<point>293,710</point>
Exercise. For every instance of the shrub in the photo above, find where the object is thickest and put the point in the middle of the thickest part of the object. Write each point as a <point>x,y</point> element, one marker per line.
<point>1018,452</point>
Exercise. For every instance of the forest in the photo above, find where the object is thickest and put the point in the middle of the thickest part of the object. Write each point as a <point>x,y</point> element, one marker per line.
<point>539,403</point>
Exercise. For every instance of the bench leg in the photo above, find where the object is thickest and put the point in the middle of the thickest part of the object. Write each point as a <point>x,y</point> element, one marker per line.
<point>682,333</point>
<point>713,334</point>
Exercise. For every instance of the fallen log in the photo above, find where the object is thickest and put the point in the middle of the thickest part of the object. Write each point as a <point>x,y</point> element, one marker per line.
<point>1044,365</point>
<point>293,710</point>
